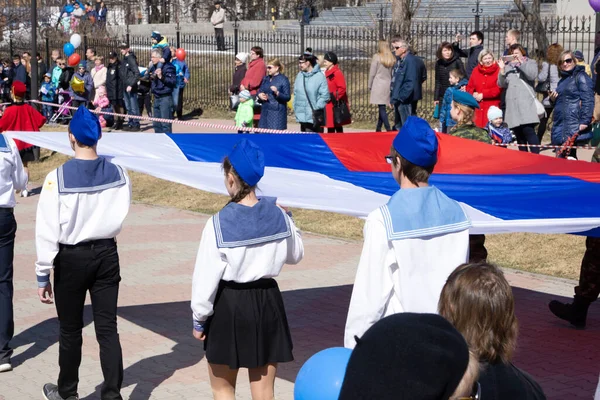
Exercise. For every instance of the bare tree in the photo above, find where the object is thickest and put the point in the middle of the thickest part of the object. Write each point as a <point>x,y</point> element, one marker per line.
<point>403,12</point>
<point>532,15</point>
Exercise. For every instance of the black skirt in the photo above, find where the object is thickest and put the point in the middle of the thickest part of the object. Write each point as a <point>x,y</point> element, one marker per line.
<point>249,328</point>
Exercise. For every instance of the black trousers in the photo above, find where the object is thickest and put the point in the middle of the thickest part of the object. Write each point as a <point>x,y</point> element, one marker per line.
<point>383,118</point>
<point>77,269</point>
<point>336,129</point>
<point>8,228</point>
<point>220,38</point>
<point>309,127</point>
<point>544,123</point>
<point>589,277</point>
<point>477,251</point>
<point>526,135</point>
<point>179,110</point>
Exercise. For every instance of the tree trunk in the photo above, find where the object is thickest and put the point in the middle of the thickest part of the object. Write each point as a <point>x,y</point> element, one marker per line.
<point>533,17</point>
<point>402,14</point>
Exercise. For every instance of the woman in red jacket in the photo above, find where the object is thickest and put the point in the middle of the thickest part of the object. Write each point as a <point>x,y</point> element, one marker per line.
<point>483,85</point>
<point>337,91</point>
<point>257,70</point>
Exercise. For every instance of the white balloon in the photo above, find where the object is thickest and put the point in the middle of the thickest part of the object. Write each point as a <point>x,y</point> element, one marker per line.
<point>75,40</point>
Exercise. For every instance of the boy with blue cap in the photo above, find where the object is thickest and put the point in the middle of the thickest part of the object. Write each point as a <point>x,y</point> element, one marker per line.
<point>411,244</point>
<point>237,307</point>
<point>82,207</point>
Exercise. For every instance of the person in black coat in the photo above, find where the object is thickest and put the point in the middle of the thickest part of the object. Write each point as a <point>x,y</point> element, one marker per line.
<point>130,74</point>
<point>114,87</point>
<point>64,82</point>
<point>472,55</point>
<point>447,61</point>
<point>18,71</point>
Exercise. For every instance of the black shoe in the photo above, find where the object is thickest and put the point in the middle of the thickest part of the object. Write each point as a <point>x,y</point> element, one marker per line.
<point>126,128</point>
<point>134,129</point>
<point>50,392</point>
<point>575,313</point>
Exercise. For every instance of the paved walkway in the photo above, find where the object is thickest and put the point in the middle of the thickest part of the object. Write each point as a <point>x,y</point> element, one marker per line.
<point>163,361</point>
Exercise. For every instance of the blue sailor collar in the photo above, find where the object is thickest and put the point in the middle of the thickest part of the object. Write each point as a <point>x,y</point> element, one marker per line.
<point>422,212</point>
<point>237,225</point>
<point>4,146</point>
<point>85,176</point>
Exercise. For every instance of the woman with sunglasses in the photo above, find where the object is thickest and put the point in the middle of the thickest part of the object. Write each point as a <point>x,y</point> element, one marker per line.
<point>573,107</point>
<point>478,300</point>
<point>517,76</point>
<point>273,95</point>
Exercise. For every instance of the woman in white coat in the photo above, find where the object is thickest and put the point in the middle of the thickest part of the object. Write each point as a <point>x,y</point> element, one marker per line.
<point>98,75</point>
<point>380,80</point>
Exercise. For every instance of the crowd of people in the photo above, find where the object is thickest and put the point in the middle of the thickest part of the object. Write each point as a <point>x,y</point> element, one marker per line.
<point>74,12</point>
<point>116,84</point>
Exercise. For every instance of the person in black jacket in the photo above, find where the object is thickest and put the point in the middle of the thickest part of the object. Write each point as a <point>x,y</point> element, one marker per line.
<point>130,74</point>
<point>114,87</point>
<point>447,61</point>
<point>163,81</point>
<point>238,76</point>
<point>407,82</point>
<point>64,82</point>
<point>476,42</point>
<point>18,71</point>
<point>144,95</point>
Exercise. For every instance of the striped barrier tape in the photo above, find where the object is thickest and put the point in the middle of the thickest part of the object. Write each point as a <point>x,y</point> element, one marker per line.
<point>263,130</point>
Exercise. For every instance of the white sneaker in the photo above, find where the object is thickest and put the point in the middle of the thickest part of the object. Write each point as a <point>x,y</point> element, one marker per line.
<point>5,367</point>
<point>24,193</point>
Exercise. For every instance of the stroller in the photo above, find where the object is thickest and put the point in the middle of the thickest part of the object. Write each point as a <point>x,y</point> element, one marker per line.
<point>63,114</point>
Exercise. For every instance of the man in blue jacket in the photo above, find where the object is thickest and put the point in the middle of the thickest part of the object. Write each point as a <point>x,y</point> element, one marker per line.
<point>164,80</point>
<point>406,82</point>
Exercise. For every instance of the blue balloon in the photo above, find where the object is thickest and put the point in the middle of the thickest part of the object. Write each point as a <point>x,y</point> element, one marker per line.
<point>69,9</point>
<point>321,376</point>
<point>68,49</point>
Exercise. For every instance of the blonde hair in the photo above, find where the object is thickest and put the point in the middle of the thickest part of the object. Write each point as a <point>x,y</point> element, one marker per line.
<point>277,63</point>
<point>99,58</point>
<point>386,58</point>
<point>484,53</point>
<point>467,115</point>
<point>479,302</point>
<point>514,33</point>
<point>467,383</point>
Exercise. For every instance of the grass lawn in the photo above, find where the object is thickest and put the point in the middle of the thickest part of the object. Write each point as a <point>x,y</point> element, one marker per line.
<point>556,255</point>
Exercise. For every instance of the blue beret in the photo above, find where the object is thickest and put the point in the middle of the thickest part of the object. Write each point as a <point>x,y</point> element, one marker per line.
<point>416,142</point>
<point>465,98</point>
<point>85,126</point>
<point>248,160</point>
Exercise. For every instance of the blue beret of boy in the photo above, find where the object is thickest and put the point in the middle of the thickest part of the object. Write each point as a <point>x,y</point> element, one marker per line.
<point>465,98</point>
<point>85,126</point>
<point>248,160</point>
<point>416,142</point>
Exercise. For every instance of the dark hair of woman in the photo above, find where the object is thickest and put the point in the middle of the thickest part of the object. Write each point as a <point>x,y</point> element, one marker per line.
<point>244,188</point>
<point>308,56</point>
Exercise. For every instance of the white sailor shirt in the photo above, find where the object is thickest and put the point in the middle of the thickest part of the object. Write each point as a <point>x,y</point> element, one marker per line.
<point>80,201</point>
<point>411,246</point>
<point>12,174</point>
<point>242,250</point>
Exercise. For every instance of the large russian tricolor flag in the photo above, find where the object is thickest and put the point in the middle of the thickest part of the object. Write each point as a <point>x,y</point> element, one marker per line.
<point>502,190</point>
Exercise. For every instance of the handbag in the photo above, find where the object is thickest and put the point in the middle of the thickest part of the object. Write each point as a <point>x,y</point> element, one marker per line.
<point>539,107</point>
<point>341,112</point>
<point>318,116</point>
<point>234,101</point>
<point>595,134</point>
<point>436,111</point>
<point>543,87</point>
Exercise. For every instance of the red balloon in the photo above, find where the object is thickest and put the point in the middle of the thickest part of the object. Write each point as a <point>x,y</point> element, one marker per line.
<point>74,59</point>
<point>180,54</point>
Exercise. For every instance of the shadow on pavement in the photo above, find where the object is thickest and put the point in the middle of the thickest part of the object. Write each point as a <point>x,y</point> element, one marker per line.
<point>563,360</point>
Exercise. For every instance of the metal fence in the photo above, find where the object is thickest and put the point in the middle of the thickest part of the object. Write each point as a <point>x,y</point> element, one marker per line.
<point>211,70</point>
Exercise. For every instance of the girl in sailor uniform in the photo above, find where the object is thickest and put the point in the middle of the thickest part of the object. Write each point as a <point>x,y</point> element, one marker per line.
<point>237,307</point>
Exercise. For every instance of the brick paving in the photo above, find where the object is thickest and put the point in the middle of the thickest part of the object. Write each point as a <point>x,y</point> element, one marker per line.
<point>163,361</point>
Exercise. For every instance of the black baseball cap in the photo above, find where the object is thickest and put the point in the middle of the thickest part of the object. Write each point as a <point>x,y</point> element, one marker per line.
<point>112,54</point>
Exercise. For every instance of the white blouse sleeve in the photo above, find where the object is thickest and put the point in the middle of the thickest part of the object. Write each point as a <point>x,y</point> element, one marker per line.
<point>209,269</point>
<point>373,286</point>
<point>295,245</point>
<point>47,228</point>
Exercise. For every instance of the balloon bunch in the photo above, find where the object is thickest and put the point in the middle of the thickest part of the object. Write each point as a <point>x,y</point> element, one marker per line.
<point>69,49</point>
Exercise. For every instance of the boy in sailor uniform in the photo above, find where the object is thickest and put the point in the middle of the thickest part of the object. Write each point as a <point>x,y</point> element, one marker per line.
<point>82,207</point>
<point>411,244</point>
<point>237,307</point>
<point>12,177</point>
